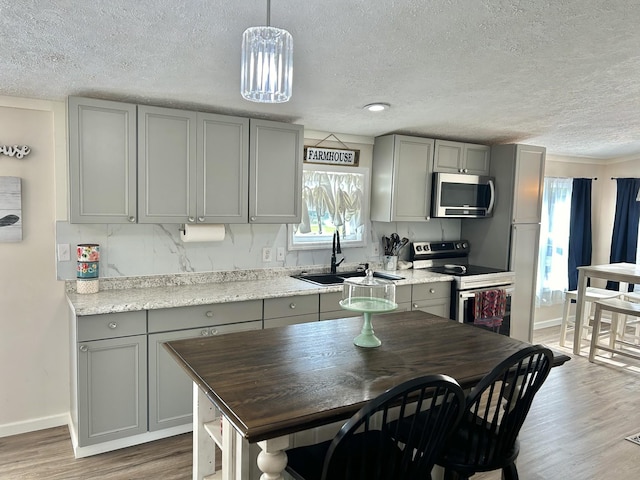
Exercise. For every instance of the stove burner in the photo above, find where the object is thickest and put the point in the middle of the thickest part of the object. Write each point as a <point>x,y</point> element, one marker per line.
<point>456,268</point>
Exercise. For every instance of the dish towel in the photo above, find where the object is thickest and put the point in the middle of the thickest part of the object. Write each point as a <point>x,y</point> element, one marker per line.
<point>490,308</point>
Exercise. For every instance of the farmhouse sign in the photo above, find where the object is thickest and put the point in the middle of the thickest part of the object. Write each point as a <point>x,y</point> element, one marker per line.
<point>15,150</point>
<point>334,156</point>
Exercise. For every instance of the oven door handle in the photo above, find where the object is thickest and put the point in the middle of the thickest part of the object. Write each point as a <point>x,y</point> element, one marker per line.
<point>471,294</point>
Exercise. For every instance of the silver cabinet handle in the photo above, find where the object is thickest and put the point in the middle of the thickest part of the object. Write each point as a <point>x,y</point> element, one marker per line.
<point>292,305</point>
<point>201,219</point>
<point>465,170</point>
<point>84,348</point>
<point>415,305</point>
<point>214,331</point>
<point>431,290</point>
<point>191,219</point>
<point>209,314</point>
<point>253,219</point>
<point>132,219</point>
<point>113,325</point>
<point>204,333</point>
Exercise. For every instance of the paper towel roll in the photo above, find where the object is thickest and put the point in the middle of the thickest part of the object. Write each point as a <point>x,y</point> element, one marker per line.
<point>202,233</point>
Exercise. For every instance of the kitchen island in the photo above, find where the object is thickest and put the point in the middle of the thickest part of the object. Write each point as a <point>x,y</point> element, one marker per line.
<point>289,380</point>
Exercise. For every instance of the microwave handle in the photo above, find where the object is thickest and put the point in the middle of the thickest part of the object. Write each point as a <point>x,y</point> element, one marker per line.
<point>493,197</point>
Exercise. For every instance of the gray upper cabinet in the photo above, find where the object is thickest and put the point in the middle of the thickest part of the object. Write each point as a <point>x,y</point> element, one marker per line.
<point>146,164</point>
<point>457,157</point>
<point>166,165</point>
<point>222,169</point>
<point>275,172</point>
<point>401,179</point>
<point>102,161</point>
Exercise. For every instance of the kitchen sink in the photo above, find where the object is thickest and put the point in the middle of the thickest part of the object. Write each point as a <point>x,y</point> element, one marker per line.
<point>338,278</point>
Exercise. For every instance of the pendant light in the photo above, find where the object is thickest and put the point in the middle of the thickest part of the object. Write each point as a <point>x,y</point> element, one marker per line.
<point>267,63</point>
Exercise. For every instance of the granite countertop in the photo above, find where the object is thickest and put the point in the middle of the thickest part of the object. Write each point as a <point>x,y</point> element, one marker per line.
<point>169,291</point>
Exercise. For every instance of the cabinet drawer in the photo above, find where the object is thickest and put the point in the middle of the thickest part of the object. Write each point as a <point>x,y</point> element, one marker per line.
<point>329,302</point>
<point>179,318</point>
<point>290,306</point>
<point>111,325</point>
<point>427,291</point>
<point>283,321</point>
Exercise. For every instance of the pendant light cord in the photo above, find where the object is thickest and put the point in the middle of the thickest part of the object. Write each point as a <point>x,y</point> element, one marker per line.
<point>268,13</point>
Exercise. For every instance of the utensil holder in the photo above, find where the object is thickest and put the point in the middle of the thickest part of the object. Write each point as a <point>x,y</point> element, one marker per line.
<point>390,262</point>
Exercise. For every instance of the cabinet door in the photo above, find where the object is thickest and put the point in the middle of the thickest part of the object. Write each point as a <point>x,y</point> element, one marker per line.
<point>170,388</point>
<point>411,198</point>
<point>476,159</point>
<point>222,169</point>
<point>112,389</point>
<point>525,239</point>
<point>448,156</point>
<point>102,161</point>
<point>275,172</point>
<point>166,165</point>
<point>528,183</point>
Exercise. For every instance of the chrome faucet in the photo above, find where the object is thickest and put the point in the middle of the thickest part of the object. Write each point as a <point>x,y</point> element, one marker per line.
<point>334,250</point>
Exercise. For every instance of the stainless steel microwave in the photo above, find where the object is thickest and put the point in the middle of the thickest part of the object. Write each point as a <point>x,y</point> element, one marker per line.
<point>458,195</point>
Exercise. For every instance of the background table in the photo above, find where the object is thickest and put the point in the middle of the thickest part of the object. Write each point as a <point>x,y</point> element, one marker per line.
<point>272,383</point>
<point>625,273</point>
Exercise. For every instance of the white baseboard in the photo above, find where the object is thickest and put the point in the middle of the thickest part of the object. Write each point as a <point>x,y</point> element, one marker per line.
<point>547,323</point>
<point>33,425</point>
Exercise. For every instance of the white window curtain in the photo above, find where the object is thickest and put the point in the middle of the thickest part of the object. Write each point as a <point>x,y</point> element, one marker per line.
<point>553,256</point>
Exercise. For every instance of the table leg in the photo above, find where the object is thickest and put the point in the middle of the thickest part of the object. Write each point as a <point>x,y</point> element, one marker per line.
<point>577,334</point>
<point>204,452</point>
<point>272,458</point>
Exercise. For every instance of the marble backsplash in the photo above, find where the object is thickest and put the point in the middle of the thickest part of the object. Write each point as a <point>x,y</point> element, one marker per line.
<point>141,249</point>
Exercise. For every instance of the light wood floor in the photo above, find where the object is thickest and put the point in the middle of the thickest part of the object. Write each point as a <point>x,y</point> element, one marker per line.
<point>574,431</point>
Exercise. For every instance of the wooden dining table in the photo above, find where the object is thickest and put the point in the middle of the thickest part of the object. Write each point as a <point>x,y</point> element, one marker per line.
<point>274,386</point>
<point>625,273</point>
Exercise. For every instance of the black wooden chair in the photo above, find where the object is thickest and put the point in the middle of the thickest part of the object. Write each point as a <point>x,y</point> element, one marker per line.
<point>487,437</point>
<point>365,448</point>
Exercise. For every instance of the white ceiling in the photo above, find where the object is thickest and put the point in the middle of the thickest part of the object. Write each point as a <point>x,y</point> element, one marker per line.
<point>562,74</point>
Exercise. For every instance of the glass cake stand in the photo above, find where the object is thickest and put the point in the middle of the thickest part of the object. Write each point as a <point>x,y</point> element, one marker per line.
<point>368,295</point>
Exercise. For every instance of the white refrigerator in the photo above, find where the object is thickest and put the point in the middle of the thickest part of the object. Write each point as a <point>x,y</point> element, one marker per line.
<point>509,239</point>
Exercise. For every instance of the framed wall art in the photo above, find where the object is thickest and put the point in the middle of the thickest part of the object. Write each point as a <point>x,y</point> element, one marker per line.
<point>10,209</point>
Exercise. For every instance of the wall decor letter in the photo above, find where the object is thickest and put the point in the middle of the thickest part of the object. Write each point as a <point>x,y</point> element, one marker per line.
<point>15,150</point>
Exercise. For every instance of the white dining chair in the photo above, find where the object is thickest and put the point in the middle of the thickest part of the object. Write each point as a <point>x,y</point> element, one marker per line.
<point>592,295</point>
<point>617,343</point>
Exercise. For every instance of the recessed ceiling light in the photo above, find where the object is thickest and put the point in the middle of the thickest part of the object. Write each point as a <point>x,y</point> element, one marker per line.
<point>376,107</point>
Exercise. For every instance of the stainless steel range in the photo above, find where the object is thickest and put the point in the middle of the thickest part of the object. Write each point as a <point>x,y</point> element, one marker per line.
<point>451,258</point>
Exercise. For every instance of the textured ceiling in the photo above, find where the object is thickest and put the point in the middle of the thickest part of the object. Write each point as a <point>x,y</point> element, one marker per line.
<point>562,74</point>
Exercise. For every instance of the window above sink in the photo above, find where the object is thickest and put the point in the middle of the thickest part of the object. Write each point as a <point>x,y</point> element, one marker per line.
<point>334,198</point>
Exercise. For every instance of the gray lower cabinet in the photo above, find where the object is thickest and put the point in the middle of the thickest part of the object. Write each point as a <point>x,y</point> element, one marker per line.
<point>432,298</point>
<point>111,377</point>
<point>279,312</point>
<point>170,388</point>
<point>102,161</point>
<point>275,172</point>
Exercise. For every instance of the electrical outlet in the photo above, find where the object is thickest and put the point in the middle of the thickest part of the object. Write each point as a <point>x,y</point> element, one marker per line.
<point>267,254</point>
<point>64,255</point>
<point>376,248</point>
<point>280,254</point>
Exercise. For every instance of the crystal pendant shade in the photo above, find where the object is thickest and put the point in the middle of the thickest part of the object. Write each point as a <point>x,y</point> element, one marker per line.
<point>267,65</point>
